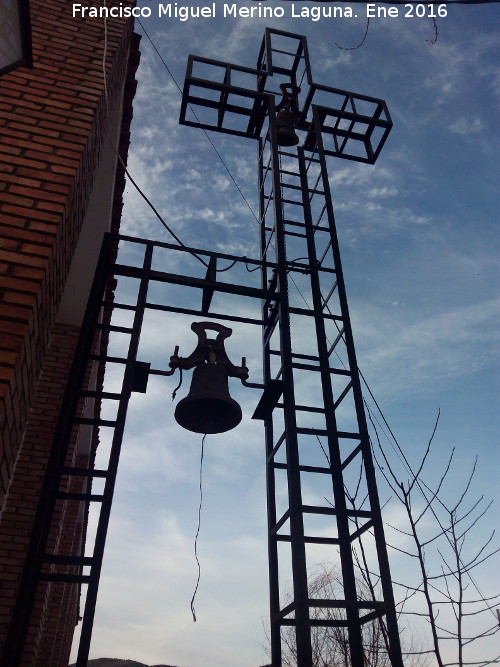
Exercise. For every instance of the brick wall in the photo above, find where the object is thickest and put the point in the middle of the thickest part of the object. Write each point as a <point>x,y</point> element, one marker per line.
<point>52,129</point>
<point>51,132</point>
<point>25,488</point>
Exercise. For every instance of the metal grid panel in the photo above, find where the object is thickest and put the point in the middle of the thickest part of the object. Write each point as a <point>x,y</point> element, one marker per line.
<point>354,127</point>
<point>214,97</point>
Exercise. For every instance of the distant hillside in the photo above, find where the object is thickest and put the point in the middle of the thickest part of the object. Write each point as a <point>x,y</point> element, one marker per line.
<point>117,662</point>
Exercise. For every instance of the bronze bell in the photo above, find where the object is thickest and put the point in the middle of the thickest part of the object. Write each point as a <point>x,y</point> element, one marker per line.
<point>285,123</point>
<point>208,408</point>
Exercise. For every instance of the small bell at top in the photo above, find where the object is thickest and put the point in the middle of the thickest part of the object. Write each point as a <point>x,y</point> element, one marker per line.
<point>285,123</point>
<point>287,116</point>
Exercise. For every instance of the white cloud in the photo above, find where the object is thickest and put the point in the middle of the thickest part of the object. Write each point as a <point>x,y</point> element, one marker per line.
<point>467,126</point>
<point>384,191</point>
<point>424,356</point>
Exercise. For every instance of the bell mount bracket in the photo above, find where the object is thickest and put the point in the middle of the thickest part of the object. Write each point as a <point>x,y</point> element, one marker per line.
<point>209,350</point>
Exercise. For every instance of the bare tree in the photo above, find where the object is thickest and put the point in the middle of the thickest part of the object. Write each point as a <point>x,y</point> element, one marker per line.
<point>446,548</point>
<point>330,645</point>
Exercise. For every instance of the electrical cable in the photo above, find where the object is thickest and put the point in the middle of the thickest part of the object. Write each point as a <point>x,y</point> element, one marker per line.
<point>198,121</point>
<point>153,208</point>
<point>226,268</point>
<point>401,456</point>
<point>119,157</point>
<point>353,48</point>
<point>256,268</point>
<point>429,502</point>
<point>433,41</point>
<point>399,452</point>
<point>217,153</point>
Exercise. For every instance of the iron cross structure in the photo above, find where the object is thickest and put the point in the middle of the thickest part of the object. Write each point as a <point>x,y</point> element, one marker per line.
<point>322,498</point>
<point>317,436</point>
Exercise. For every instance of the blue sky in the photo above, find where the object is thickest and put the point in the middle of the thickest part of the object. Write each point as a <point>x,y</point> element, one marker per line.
<point>419,242</point>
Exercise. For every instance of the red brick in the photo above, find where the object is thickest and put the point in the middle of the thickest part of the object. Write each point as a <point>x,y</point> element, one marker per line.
<point>11,328</point>
<point>20,184</point>
<point>28,235</point>
<point>28,272</point>
<point>36,249</point>
<point>5,374</point>
<point>10,312</point>
<point>21,259</point>
<point>18,298</point>
<point>9,342</point>
<point>48,228</point>
<point>57,208</point>
<point>11,223</point>
<point>45,176</point>
<point>16,160</point>
<point>28,213</point>
<point>10,150</point>
<point>7,358</point>
<point>8,244</point>
<point>18,200</point>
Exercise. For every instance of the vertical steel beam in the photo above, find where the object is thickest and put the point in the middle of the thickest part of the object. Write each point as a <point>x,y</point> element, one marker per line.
<point>114,458</point>
<point>297,544</point>
<point>269,323</point>
<point>346,557</point>
<point>378,528</point>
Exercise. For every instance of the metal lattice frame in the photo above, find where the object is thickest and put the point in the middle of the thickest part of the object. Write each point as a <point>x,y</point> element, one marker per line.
<point>45,562</point>
<point>312,443</point>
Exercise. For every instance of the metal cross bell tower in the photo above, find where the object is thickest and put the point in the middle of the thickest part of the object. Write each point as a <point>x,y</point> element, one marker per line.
<point>322,496</point>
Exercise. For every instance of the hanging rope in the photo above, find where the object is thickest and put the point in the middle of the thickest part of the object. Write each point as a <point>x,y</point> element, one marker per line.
<point>198,531</point>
